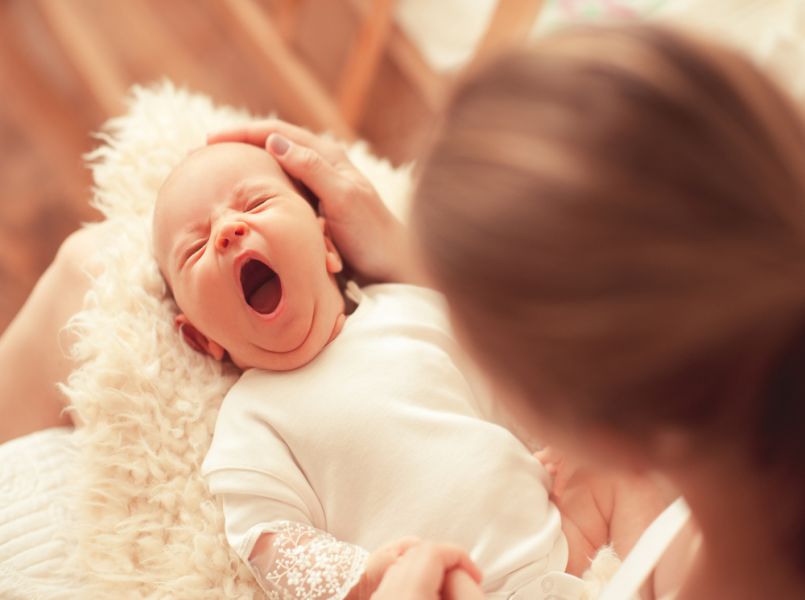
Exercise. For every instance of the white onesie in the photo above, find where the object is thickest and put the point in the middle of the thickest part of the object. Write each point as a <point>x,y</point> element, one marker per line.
<point>378,438</point>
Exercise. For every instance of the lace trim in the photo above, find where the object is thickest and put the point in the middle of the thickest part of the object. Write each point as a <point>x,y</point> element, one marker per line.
<point>305,563</point>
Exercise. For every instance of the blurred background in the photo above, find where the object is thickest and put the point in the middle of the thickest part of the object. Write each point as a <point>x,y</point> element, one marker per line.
<point>377,70</point>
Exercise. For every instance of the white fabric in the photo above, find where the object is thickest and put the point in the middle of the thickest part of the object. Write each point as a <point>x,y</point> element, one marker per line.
<point>305,563</point>
<point>34,470</point>
<point>379,438</point>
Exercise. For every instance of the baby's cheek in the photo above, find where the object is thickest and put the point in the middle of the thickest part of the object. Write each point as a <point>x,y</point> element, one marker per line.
<point>197,298</point>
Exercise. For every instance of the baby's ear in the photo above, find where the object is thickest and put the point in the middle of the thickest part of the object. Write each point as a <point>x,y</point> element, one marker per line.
<point>197,340</point>
<point>333,258</point>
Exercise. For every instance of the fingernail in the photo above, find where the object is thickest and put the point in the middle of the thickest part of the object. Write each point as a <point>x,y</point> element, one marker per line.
<point>278,144</point>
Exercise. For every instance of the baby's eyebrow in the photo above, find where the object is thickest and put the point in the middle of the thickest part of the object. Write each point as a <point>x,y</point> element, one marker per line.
<point>249,188</point>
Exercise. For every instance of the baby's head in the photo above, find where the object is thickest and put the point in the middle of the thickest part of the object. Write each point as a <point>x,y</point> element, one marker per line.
<point>251,265</point>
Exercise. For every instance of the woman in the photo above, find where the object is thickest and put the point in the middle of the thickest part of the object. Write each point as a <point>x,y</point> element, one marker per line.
<point>617,219</point>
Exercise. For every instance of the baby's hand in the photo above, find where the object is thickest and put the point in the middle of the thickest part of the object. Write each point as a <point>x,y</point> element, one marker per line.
<point>377,564</point>
<point>558,467</point>
<point>431,570</point>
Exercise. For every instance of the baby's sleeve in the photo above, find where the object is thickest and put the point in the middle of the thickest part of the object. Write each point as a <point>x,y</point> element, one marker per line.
<point>251,467</point>
<point>272,516</point>
<point>252,499</point>
<point>292,560</point>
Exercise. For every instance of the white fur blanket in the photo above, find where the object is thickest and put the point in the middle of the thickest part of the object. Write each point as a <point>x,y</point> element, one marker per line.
<point>145,524</point>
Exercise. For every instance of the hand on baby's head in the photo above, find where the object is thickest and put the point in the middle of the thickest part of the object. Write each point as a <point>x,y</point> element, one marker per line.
<point>250,264</point>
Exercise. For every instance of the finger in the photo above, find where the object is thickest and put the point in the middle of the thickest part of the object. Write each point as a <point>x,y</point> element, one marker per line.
<point>308,166</point>
<point>404,579</point>
<point>421,571</point>
<point>459,585</point>
<point>258,132</point>
<point>254,132</point>
<point>394,550</point>
<point>401,546</point>
<point>559,485</point>
<point>442,556</point>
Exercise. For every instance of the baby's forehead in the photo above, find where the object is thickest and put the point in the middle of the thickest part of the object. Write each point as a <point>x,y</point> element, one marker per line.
<point>211,176</point>
<point>214,172</point>
<point>225,163</point>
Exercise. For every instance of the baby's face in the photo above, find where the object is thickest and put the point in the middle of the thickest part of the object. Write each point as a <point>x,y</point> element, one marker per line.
<point>248,260</point>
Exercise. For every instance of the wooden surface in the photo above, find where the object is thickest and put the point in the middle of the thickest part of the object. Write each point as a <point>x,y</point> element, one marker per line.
<point>52,97</point>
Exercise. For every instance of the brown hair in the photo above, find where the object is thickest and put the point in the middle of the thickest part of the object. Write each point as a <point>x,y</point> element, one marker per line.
<point>617,217</point>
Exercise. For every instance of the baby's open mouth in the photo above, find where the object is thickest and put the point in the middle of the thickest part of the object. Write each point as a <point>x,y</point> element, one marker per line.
<point>261,286</point>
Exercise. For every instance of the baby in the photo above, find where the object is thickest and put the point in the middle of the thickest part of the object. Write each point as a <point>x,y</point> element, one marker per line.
<point>344,432</point>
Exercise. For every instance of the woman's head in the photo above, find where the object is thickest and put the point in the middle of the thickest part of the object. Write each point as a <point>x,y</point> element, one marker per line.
<point>617,218</point>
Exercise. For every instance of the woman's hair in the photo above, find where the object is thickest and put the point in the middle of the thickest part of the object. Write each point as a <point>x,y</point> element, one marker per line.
<point>617,217</point>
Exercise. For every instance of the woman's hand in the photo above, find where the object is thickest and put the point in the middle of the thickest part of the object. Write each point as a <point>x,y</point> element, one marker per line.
<point>431,571</point>
<point>368,236</point>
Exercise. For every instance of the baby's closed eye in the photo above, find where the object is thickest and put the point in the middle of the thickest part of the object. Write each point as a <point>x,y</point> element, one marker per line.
<point>194,249</point>
<point>256,203</point>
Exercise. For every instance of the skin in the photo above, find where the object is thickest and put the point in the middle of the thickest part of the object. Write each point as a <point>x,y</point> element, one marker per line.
<point>38,330</point>
<point>222,206</point>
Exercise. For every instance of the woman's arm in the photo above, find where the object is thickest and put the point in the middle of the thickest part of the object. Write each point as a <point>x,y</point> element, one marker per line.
<point>34,347</point>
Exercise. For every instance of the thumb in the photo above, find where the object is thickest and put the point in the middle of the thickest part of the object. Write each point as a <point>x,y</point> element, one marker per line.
<point>306,165</point>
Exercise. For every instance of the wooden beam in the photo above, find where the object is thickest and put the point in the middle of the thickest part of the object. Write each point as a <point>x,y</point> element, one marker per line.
<point>87,52</point>
<point>509,26</point>
<point>298,92</point>
<point>364,58</point>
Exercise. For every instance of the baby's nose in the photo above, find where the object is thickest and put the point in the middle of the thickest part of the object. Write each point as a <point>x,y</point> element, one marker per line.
<point>229,234</point>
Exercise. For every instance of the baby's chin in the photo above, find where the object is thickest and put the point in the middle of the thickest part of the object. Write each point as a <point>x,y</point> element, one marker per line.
<point>296,359</point>
<point>278,362</point>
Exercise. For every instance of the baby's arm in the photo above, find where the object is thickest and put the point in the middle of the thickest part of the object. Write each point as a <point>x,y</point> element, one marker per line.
<point>302,562</point>
<point>273,517</point>
<point>295,560</point>
<point>273,534</point>
<point>271,528</point>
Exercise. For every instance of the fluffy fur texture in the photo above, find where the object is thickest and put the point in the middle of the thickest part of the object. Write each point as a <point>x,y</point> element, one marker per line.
<point>144,522</point>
